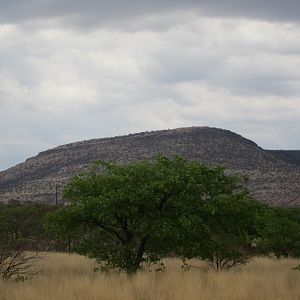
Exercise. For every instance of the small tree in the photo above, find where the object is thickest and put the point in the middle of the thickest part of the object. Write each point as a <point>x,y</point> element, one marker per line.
<point>233,228</point>
<point>281,235</point>
<point>223,227</point>
<point>15,262</point>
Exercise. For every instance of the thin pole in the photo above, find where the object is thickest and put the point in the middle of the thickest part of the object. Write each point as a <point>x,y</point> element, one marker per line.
<point>56,194</point>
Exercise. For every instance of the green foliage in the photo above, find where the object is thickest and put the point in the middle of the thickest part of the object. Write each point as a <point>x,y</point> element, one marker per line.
<point>232,226</point>
<point>141,212</point>
<point>281,235</point>
<point>128,213</point>
<point>20,229</point>
<point>62,227</point>
<point>24,221</point>
<point>17,220</point>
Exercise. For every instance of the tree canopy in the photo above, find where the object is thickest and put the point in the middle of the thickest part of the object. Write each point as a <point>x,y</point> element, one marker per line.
<point>141,212</point>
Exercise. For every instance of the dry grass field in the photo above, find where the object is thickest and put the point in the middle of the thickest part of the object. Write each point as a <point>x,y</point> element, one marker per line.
<point>65,277</point>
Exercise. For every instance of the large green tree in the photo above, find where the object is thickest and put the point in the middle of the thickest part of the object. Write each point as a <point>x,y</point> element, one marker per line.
<point>140,212</point>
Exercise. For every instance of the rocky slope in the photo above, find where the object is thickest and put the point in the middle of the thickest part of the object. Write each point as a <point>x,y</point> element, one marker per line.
<point>272,179</point>
<point>289,156</point>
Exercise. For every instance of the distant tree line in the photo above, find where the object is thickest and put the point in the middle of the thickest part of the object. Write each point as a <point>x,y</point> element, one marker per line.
<point>127,215</point>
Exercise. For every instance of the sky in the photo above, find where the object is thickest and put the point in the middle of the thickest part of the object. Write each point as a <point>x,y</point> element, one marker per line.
<point>73,70</point>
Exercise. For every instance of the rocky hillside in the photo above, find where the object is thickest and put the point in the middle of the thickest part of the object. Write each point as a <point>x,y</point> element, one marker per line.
<point>289,156</point>
<point>272,179</point>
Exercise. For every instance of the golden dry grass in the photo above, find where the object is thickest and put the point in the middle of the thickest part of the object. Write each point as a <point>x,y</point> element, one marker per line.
<point>65,277</point>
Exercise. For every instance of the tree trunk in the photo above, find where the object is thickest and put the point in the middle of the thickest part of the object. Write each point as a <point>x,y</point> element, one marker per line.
<point>139,256</point>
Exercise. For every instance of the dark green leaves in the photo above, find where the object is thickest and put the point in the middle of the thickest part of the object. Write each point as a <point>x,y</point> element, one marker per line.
<point>129,214</point>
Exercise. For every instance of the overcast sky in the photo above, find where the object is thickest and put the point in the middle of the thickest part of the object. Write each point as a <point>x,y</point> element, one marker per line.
<point>74,69</point>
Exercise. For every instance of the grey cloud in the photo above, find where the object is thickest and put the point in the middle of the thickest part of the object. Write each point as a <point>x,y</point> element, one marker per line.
<point>80,10</point>
<point>257,9</point>
<point>226,55</point>
<point>89,13</point>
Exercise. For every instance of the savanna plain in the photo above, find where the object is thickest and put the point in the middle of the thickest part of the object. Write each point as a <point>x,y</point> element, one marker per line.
<point>67,277</point>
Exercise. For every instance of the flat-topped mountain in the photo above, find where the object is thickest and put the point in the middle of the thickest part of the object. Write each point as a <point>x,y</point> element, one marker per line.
<point>273,179</point>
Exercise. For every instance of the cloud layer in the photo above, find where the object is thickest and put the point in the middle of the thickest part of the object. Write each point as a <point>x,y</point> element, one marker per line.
<point>72,71</point>
<point>102,11</point>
